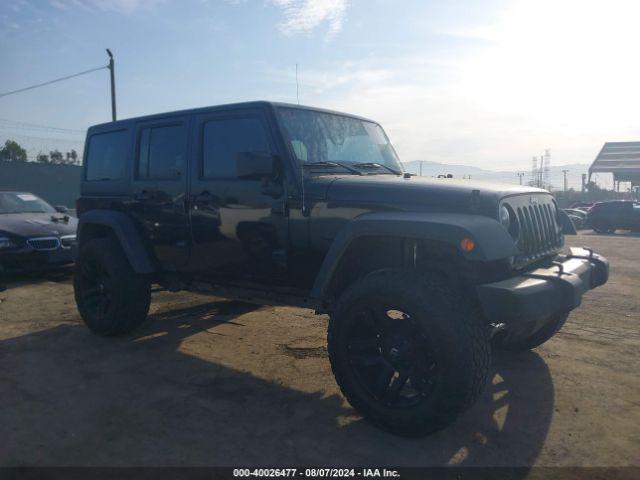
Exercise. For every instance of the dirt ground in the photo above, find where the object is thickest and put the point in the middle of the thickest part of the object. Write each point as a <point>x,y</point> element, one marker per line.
<point>212,382</point>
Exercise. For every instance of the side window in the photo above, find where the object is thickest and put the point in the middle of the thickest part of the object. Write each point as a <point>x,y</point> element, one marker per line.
<point>225,138</point>
<point>162,152</point>
<point>107,155</point>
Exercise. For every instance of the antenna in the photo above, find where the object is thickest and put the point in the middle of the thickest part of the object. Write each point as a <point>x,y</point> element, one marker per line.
<point>297,85</point>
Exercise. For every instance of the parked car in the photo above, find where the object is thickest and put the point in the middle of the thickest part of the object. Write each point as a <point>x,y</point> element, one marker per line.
<point>607,217</point>
<point>584,206</point>
<point>295,205</point>
<point>577,216</point>
<point>33,234</point>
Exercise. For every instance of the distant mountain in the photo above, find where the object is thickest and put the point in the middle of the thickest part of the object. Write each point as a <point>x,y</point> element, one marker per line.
<point>433,169</point>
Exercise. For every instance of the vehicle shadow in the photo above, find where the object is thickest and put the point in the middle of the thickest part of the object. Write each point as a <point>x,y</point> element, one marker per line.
<point>71,398</point>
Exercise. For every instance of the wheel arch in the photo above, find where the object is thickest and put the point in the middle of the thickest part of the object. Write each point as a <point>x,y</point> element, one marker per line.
<point>396,239</point>
<point>102,223</point>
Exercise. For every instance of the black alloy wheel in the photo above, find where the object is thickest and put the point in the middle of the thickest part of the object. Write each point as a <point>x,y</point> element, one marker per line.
<point>391,356</point>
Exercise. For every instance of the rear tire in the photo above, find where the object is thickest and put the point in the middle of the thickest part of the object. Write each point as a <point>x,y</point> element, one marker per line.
<point>111,298</point>
<point>409,353</point>
<point>534,340</point>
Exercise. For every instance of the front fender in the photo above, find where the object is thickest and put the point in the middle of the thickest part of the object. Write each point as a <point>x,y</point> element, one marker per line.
<point>492,241</point>
<point>126,233</point>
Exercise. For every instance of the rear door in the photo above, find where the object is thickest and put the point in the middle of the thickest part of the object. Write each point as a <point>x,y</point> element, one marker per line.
<point>239,225</point>
<point>160,187</point>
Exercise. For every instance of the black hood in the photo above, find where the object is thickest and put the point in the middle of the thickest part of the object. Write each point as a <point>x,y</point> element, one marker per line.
<point>415,193</point>
<point>37,224</point>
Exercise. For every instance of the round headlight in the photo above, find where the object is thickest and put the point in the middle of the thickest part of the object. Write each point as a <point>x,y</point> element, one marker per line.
<point>505,217</point>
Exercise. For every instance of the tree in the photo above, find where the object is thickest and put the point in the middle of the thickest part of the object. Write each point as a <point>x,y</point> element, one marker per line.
<point>42,158</point>
<point>13,152</point>
<point>56,156</point>
<point>74,157</point>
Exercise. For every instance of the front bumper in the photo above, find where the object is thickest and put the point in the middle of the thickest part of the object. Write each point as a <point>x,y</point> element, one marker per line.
<point>528,300</point>
<point>28,260</point>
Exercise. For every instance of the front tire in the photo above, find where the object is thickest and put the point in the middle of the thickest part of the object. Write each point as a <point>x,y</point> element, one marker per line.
<point>409,353</point>
<point>111,298</point>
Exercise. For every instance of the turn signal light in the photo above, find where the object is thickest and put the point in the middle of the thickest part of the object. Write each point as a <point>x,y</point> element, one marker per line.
<point>467,244</point>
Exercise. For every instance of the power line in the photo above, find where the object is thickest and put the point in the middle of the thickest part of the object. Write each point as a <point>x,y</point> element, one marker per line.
<point>34,126</point>
<point>52,131</point>
<point>28,136</point>
<point>52,81</point>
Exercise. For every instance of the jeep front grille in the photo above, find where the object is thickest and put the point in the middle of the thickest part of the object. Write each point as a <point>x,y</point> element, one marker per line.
<point>539,233</point>
<point>44,243</point>
<point>539,229</point>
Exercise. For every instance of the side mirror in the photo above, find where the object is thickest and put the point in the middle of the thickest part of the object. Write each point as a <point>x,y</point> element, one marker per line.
<point>565,222</point>
<point>61,209</point>
<point>254,165</point>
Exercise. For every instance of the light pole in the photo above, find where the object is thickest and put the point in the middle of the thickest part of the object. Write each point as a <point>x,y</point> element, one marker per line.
<point>565,179</point>
<point>113,85</point>
<point>520,175</point>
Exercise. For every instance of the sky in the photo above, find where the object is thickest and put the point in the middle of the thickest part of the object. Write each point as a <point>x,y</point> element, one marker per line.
<point>485,83</point>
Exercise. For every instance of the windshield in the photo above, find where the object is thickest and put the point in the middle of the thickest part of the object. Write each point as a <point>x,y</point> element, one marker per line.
<point>23,203</point>
<point>325,137</point>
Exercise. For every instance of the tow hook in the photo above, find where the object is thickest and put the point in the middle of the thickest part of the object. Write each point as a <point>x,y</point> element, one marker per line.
<point>560,268</point>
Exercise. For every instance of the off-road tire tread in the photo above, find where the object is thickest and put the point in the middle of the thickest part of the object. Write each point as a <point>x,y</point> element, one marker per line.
<point>471,326</point>
<point>135,290</point>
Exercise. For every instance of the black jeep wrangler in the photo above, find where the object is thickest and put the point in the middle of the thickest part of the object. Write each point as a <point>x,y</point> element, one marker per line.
<point>283,204</point>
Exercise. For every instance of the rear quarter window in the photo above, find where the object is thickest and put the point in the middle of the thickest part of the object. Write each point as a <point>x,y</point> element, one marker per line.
<point>107,156</point>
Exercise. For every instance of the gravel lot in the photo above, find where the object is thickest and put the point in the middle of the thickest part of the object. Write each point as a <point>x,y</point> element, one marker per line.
<point>212,382</point>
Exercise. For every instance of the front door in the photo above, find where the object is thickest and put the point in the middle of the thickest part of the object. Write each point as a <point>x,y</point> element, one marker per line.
<point>239,224</point>
<point>160,186</point>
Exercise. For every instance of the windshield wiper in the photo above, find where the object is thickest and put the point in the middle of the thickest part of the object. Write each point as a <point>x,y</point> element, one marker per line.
<point>376,165</point>
<point>331,164</point>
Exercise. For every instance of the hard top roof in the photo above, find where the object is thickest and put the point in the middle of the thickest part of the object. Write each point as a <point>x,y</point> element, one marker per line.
<point>228,106</point>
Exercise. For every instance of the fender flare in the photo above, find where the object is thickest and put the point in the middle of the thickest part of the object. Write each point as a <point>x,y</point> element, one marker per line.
<point>492,241</point>
<point>126,233</point>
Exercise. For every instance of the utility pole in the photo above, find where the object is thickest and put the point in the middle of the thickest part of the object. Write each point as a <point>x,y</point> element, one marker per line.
<point>564,172</point>
<point>520,175</point>
<point>420,167</point>
<point>297,86</point>
<point>113,85</point>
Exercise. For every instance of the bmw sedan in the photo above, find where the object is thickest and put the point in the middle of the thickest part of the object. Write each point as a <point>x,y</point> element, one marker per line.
<point>33,234</point>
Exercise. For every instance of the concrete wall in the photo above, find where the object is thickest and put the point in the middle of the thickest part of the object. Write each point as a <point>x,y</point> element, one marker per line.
<point>57,184</point>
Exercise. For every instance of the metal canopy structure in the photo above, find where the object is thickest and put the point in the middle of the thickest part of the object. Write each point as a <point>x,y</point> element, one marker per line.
<point>622,159</point>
